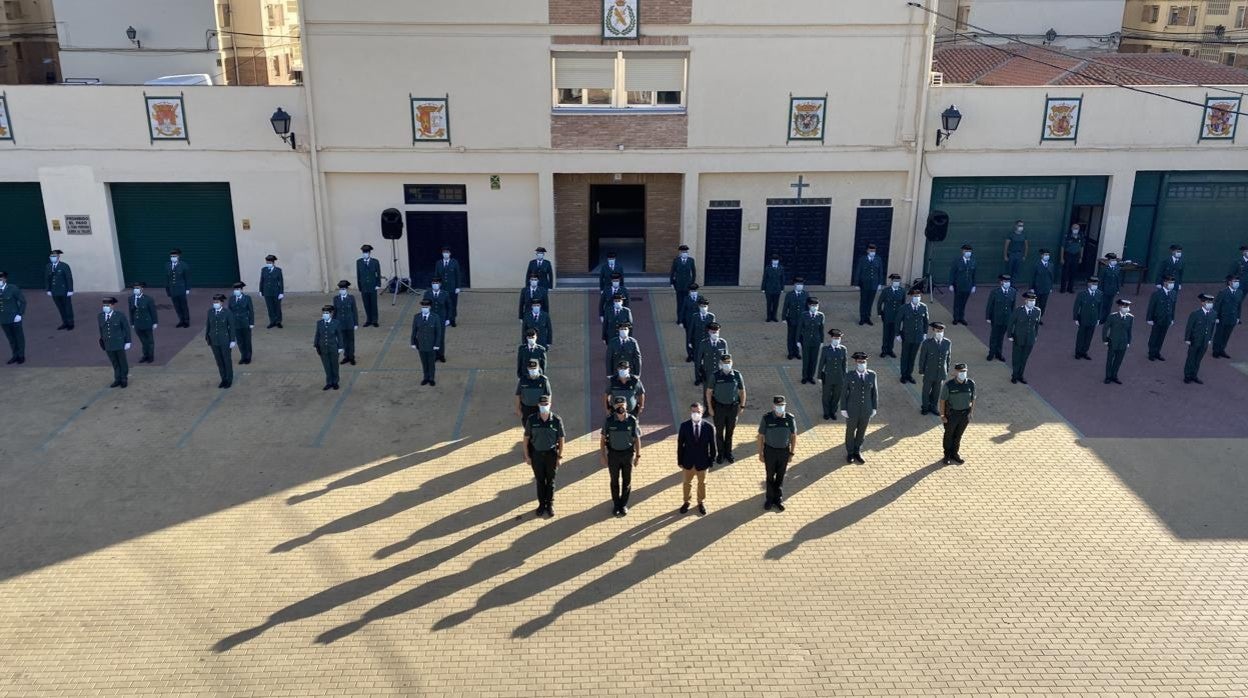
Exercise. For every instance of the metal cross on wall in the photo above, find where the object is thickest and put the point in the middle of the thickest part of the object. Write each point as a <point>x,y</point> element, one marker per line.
<point>799,185</point>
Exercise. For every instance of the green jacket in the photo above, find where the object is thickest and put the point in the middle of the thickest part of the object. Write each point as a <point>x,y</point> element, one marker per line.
<point>428,332</point>
<point>1117,331</point>
<point>344,311</point>
<point>605,297</point>
<point>794,306</point>
<point>889,305</point>
<point>810,330</point>
<point>142,312</point>
<point>695,325</point>
<point>12,304</point>
<point>59,279</point>
<point>1000,305</point>
<point>1227,305</point>
<point>243,310</point>
<point>219,328</point>
<point>1171,267</point>
<point>1199,327</point>
<point>1024,326</point>
<point>448,270</point>
<point>367,275</point>
<point>1161,307</point>
<point>327,337</point>
<point>912,323</point>
<point>272,284</point>
<point>773,280</point>
<point>683,273</point>
<point>1111,280</point>
<point>1088,308</point>
<point>628,350</point>
<point>831,366</point>
<point>441,302</point>
<point>604,275</point>
<point>541,294</point>
<point>962,274</point>
<point>708,354</point>
<point>177,278</point>
<point>524,354</point>
<point>934,359</point>
<point>1042,277</point>
<point>114,332</point>
<point>545,331</point>
<point>869,274</point>
<point>611,321</point>
<point>860,396</point>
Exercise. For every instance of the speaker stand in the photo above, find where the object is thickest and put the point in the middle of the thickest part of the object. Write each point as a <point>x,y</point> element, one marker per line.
<point>400,286</point>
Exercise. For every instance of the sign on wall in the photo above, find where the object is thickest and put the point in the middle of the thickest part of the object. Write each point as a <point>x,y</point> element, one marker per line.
<point>77,225</point>
<point>166,118</point>
<point>6,128</point>
<point>1220,119</point>
<point>621,19</point>
<point>806,118</point>
<point>1061,118</point>
<point>431,119</point>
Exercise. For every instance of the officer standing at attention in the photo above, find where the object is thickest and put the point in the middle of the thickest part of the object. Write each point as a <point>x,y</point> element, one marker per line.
<point>59,283</point>
<point>1226,307</point>
<point>1117,337</point>
<point>244,313</point>
<point>912,324</point>
<point>695,326</point>
<point>998,312</point>
<point>535,292</point>
<point>962,283</point>
<point>621,450</point>
<point>1173,266</point>
<point>327,341</point>
<point>428,332</point>
<point>1023,328</point>
<point>143,320</point>
<point>1072,257</point>
<point>934,356</point>
<point>1160,317</point>
<point>543,450</point>
<point>1087,316</point>
<point>448,270</point>
<point>683,275</point>
<point>624,384</point>
<point>624,348</point>
<point>869,279</point>
<point>614,316</point>
<point>542,268</point>
<point>115,341</point>
<point>725,399</point>
<point>1111,284</point>
<point>810,339</point>
<point>831,372</point>
<point>1199,334</point>
<point>273,290</point>
<point>773,286</point>
<point>368,280</point>
<point>608,271</point>
<point>695,455</point>
<point>219,334</point>
<point>178,286</point>
<point>957,402</point>
<point>12,306</point>
<point>777,441</point>
<point>1240,267</point>
<point>530,349</point>
<point>539,320</point>
<point>889,310</point>
<point>708,354</point>
<point>1015,250</point>
<point>529,391</point>
<point>443,306</point>
<point>1042,276</point>
<point>348,319</point>
<point>794,304</point>
<point>859,403</point>
<point>615,287</point>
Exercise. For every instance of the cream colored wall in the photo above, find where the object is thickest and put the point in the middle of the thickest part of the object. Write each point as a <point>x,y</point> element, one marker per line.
<point>394,12</point>
<point>175,24</point>
<point>805,12</point>
<point>1036,17</point>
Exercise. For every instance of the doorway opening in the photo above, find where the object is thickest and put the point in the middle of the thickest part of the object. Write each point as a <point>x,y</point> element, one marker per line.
<point>617,224</point>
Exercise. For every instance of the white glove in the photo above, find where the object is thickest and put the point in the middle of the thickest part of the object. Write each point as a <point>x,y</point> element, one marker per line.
<point>49,294</point>
<point>872,413</point>
<point>154,326</point>
<point>355,328</point>
<point>844,414</point>
<point>188,293</point>
<point>1150,322</point>
<point>457,291</point>
<point>233,344</point>
<point>280,296</point>
<point>342,351</point>
<point>436,348</point>
<point>447,323</point>
<point>17,318</point>
<point>127,347</point>
<point>951,289</point>
<point>69,293</point>
<point>973,289</point>
<point>413,346</point>
<point>377,289</point>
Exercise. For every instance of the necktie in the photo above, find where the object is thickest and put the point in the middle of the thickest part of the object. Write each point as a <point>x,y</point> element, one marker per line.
<point>697,429</point>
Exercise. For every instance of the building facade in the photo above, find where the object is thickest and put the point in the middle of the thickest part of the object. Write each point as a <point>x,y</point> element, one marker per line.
<point>259,42</point>
<point>176,39</point>
<point>1075,24</point>
<point>1211,30</point>
<point>28,54</point>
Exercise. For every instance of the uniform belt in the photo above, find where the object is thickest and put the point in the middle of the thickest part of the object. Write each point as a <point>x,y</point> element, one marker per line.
<point>724,404</point>
<point>620,450</point>
<point>959,411</point>
<point>774,448</point>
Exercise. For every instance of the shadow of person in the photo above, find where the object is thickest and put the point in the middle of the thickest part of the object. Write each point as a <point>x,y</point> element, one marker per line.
<point>851,513</point>
<point>1011,430</point>
<point>376,471</point>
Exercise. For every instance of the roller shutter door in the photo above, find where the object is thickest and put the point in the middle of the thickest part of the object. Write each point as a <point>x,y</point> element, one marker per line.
<point>24,241</point>
<point>197,218</point>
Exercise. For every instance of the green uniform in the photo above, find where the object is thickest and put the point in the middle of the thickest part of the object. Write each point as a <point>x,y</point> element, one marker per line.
<point>219,334</point>
<point>1172,266</point>
<point>631,389</point>
<point>1226,307</point>
<point>524,353</point>
<point>626,349</point>
<point>114,336</point>
<point>1116,333</point>
<point>706,358</point>
<point>368,280</point>
<point>1015,248</point>
<point>607,270</point>
<point>912,324</point>
<point>611,321</point>
<point>868,277</point>
<point>794,306</point>
<point>958,397</point>
<point>541,323</point>
<point>831,372</point>
<point>934,361</point>
<point>143,319</point>
<point>443,306</point>
<point>772,287</point>
<point>859,401</point>
<point>606,295</point>
<point>530,391</point>
<point>528,294</point>
<point>327,340</point>
<point>12,308</point>
<point>962,280</point>
<point>1160,316</point>
<point>59,282</point>
<point>348,319</point>
<point>1087,312</point>
<point>428,333</point>
<point>684,272</point>
<point>1198,335</point>
<point>448,270</point>
<point>272,288</point>
<point>1111,284</point>
<point>244,313</point>
<point>725,389</point>
<point>810,336</point>
<point>777,432</point>
<point>695,329</point>
<point>544,436</point>
<point>1023,328</point>
<point>999,310</point>
<point>177,285</point>
<point>621,437</point>
<point>543,270</point>
<point>888,307</point>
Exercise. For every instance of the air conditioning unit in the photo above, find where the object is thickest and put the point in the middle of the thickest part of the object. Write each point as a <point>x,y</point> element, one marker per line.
<point>938,79</point>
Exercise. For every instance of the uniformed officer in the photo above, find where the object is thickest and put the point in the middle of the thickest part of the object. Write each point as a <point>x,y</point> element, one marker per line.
<point>12,307</point>
<point>272,290</point>
<point>220,336</point>
<point>608,271</point>
<point>620,452</point>
<point>348,319</point>
<point>772,286</point>
<point>962,282</point>
<point>1198,336</point>
<point>428,333</point>
<point>327,341</point>
<point>888,307</point>
<point>244,313</point>
<point>1087,313</point>
<point>934,356</point>
<point>178,286</point>
<point>810,339</point>
<point>535,292</point>
<point>1227,308</point>
<point>448,270</point>
<point>443,306</point>
<point>59,284</point>
<point>115,341</point>
<point>368,280</point>
<point>777,440</point>
<point>957,402</point>
<point>1116,334</point>
<point>691,303</point>
<point>859,403</point>
<point>1072,257</point>
<point>529,391</point>
<point>684,273</point>
<point>1172,266</point>
<point>143,319</point>
<point>1160,317</point>
<point>1015,250</point>
<point>543,451</point>
<point>912,324</point>
<point>1240,268</point>
<point>539,320</point>
<point>831,372</point>
<point>725,401</point>
<point>1023,328</point>
<point>624,384</point>
<point>614,316</point>
<point>1042,276</point>
<point>706,357</point>
<point>699,317</point>
<point>615,287</point>
<point>794,305</point>
<point>869,279</point>
<point>1111,284</point>
<point>530,349</point>
<point>998,312</point>
<point>622,347</point>
<point>542,267</point>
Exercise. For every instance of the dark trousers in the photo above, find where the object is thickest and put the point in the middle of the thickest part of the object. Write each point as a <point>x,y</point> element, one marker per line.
<point>681,295</point>
<point>831,397</point>
<point>866,298</point>
<point>1012,264</point>
<point>1083,339</point>
<point>689,348</point>
<point>348,343</point>
<point>544,476</point>
<point>329,361</point>
<point>959,305</point>
<point>148,342</point>
<point>776,463</point>
<point>65,306</point>
<point>909,351</point>
<point>1068,277</point>
<point>773,304</point>
<point>791,340</point>
<point>274,306</point>
<point>810,359</point>
<point>428,364</point>
<point>1107,303</point>
<point>725,424</point>
<point>121,367</point>
<point>1222,335</point>
<point>244,342</point>
<point>225,361</point>
<point>931,392</point>
<point>996,339</point>
<point>1113,360</point>
<point>1042,302</point>
<point>527,411</point>
<point>1019,356</point>
<point>17,339</point>
<point>180,307</point>
<point>890,337</point>
<point>620,465</point>
<point>856,432</point>
<point>455,308</point>
<point>370,306</point>
<point>954,428</point>
<point>1195,354</point>
<point>1156,338</point>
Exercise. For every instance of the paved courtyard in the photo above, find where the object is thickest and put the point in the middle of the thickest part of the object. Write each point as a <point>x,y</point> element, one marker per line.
<point>274,539</point>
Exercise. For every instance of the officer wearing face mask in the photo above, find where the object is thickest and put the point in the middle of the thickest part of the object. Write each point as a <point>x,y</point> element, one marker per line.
<point>869,279</point>
<point>794,305</point>
<point>809,339</point>
<point>345,314</point>
<point>538,319</point>
<point>998,312</point>
<point>962,282</point>
<point>725,401</point>
<point>859,402</point>
<point>428,333</point>
<point>684,273</point>
<point>1160,317</point>
<point>1240,267</point>
<point>1023,329</point>
<point>1072,257</point>
<point>59,284</point>
<point>530,350</point>
<point>273,290</point>
<point>12,307</point>
<point>1116,333</point>
<point>695,326</point>
<point>1111,284</point>
<point>622,347</point>
<point>620,451</point>
<point>327,341</point>
<point>1015,250</point>
<point>831,372</point>
<point>529,391</point>
<point>934,355</point>
<point>244,313</point>
<point>220,335</point>
<point>1087,312</point>
<point>442,306</point>
<point>543,451</point>
<point>614,287</point>
<point>888,307</point>
<point>773,286</point>
<point>624,384</point>
<point>368,280</point>
<point>178,286</point>
<point>542,268</point>
<point>533,292</point>
<point>707,357</point>
<point>614,315</point>
<point>448,270</point>
<point>777,441</point>
<point>912,325</point>
<point>611,269</point>
<point>115,341</point>
<point>1042,276</point>
<point>144,320</point>
<point>1198,336</point>
<point>957,402</point>
<point>1172,266</point>
<point>1226,308</point>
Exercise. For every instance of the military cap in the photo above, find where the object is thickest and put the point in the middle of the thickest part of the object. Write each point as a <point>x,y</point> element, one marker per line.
<point>138,284</point>
<point>917,291</point>
<point>610,255</point>
<point>366,248</point>
<point>619,400</point>
<point>959,367</point>
<point>110,300</point>
<point>425,302</point>
<point>344,284</point>
<point>616,275</point>
<point>1123,301</point>
<point>536,302</point>
<point>1243,248</point>
<point>625,325</point>
<point>799,279</point>
<point>1205,297</point>
<point>617,296</point>
<point>327,308</point>
<point>812,301</point>
<point>218,296</point>
<point>936,325</point>
<point>694,287</point>
<point>1111,255</point>
<point>1044,250</point>
<point>4,274</point>
<point>530,332</point>
<point>57,252</point>
<point>436,280</point>
<point>1093,280</point>
<point>540,249</point>
<point>175,251</point>
<point>270,258</point>
<point>775,255</point>
<point>894,276</point>
<point>1003,277</point>
<point>871,246</point>
<point>1176,248</point>
<point>533,276</point>
<point>545,399</point>
<point>533,363</point>
<point>1030,295</point>
<point>777,399</point>
<point>1167,277</point>
<point>859,356</point>
<point>725,357</point>
<point>835,332</point>
<point>703,300</point>
<point>1232,277</point>
<point>683,248</point>
<point>239,284</point>
<point>967,247</point>
<point>622,363</point>
<point>712,325</point>
<point>446,248</point>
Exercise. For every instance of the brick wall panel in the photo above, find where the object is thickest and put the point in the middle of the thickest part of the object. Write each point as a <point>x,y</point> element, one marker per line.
<point>609,131</point>
<point>590,12</point>
<point>663,215</point>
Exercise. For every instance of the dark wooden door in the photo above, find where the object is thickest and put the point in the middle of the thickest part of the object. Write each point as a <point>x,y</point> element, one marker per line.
<point>873,225</point>
<point>799,234</point>
<point>427,232</point>
<point>722,251</point>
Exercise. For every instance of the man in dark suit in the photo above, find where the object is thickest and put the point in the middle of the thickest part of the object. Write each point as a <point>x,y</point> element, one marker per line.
<point>143,320</point>
<point>962,283</point>
<point>610,269</point>
<point>1172,266</point>
<point>530,349</point>
<point>542,268</point>
<point>443,307</point>
<point>1116,334</point>
<point>60,286</point>
<point>115,341</point>
<point>538,320</point>
<point>328,345</point>
<point>12,307</point>
<point>888,307</point>
<point>695,454</point>
<point>794,305</point>
<point>1087,315</point>
<point>534,292</point>
<point>273,290</point>
<point>448,270</point>
<point>1160,316</point>
<point>1042,277</point>
<point>614,315</point>
<point>869,278</point>
<point>368,280</point>
<point>178,286</point>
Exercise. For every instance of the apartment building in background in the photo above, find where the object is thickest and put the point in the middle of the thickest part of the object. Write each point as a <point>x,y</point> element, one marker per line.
<point>28,54</point>
<point>259,42</point>
<point>1073,24</point>
<point>1212,30</point>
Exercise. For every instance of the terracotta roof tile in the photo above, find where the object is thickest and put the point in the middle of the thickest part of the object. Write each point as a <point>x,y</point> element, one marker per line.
<point>984,65</point>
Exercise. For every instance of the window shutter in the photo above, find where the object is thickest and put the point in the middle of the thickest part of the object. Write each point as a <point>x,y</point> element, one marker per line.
<point>585,71</point>
<point>658,72</point>
<point>1145,11</point>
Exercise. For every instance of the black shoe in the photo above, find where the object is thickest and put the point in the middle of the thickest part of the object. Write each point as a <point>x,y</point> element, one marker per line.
<point>902,380</point>
<point>728,457</point>
<point>624,511</point>
<point>124,383</point>
<point>1014,380</point>
<point>227,384</point>
<point>279,325</point>
<point>989,358</point>
<point>441,359</point>
<point>550,511</point>
<point>541,508</point>
<point>21,360</point>
<point>425,382</point>
<point>684,508</point>
<point>270,326</point>
<point>870,323</point>
<point>1117,381</point>
<point>779,506</point>
<point>1107,381</point>
<point>615,511</point>
<point>1022,380</point>
<point>61,327</point>
<point>221,384</point>
<point>891,355</point>
<point>327,386</point>
<point>883,354</point>
<point>1087,358</point>
<point>834,417</point>
<point>689,359</point>
<point>244,361</point>
<point>958,459</point>
<point>947,461</point>
<point>115,384</point>
<point>334,386</point>
<point>860,323</point>
<point>923,410</point>
<point>432,383</point>
<point>849,458</point>
<point>343,361</point>
<point>1152,358</point>
<point>1187,380</point>
<point>12,360</point>
<point>767,506</point>
<point>701,509</point>
<point>858,459</point>
<point>1160,357</point>
<point>719,460</point>
<point>1198,381</point>
<point>453,324</point>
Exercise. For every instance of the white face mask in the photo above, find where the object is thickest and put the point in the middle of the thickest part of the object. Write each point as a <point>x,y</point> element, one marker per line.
<point>1018,228</point>
<point>870,255</point>
<point>779,410</point>
<point>532,341</point>
<point>216,306</point>
<point>1178,255</point>
<point>618,305</point>
<point>366,256</point>
<point>914,300</point>
<point>544,409</point>
<point>1044,258</point>
<point>623,334</point>
<point>695,416</point>
<point>962,375</point>
<point>342,293</point>
<point>775,264</point>
<point>532,283</point>
<point>704,309</point>
<point>1092,287</point>
<point>53,259</point>
<point>173,259</point>
<point>541,256</point>
<point>862,368</point>
<point>1169,287</point>
<point>939,335</point>
<point>896,284</point>
<point>325,317</point>
<point>238,293</point>
<point>1113,263</point>
<point>533,372</point>
<point>966,255</point>
<point>436,287</point>
<point>537,309</point>
<point>611,262</point>
<point>1005,284</point>
<point>1074,232</point>
<point>834,342</point>
<point>799,287</point>
<point>693,295</point>
<point>138,292</point>
<point>1234,285</point>
<point>269,266</point>
<point>1123,311</point>
<point>714,336</point>
<point>725,367</point>
<point>446,255</point>
<point>684,256</point>
<point>424,312</point>
<point>108,309</point>
<point>615,284</point>
<point>623,373</point>
<point>814,309</point>
<point>1031,304</point>
<point>1208,306</point>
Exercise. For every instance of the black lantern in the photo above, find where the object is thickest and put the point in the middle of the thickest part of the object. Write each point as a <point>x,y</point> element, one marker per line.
<point>281,126</point>
<point>950,119</point>
<point>132,35</point>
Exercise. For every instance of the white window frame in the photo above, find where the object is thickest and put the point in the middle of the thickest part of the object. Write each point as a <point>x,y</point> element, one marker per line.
<point>619,95</point>
<point>1241,16</point>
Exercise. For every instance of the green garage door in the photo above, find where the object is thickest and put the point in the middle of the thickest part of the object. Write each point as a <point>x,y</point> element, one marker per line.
<point>24,241</point>
<point>1202,211</point>
<point>196,218</point>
